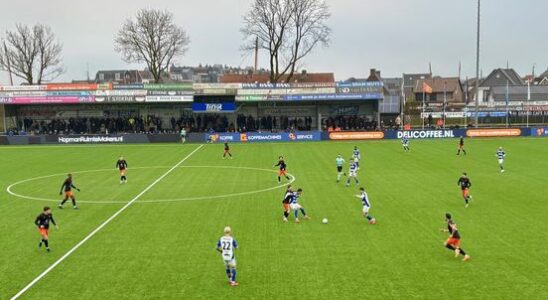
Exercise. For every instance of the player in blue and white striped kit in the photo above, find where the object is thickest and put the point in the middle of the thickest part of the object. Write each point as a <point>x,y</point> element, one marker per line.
<point>405,143</point>
<point>357,156</point>
<point>366,206</point>
<point>500,156</point>
<point>226,246</point>
<point>352,172</point>
<point>296,207</point>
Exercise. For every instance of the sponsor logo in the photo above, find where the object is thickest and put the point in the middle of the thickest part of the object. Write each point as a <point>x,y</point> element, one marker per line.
<point>541,131</point>
<point>375,135</point>
<point>214,107</point>
<point>493,132</point>
<point>292,136</point>
<point>269,137</point>
<point>243,137</point>
<point>91,139</point>
<point>426,134</point>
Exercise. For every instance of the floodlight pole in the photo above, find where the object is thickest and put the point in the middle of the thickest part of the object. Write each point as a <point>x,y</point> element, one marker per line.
<point>477,62</point>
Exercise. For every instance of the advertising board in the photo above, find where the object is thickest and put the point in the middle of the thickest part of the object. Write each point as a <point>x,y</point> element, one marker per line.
<point>254,137</point>
<point>356,135</point>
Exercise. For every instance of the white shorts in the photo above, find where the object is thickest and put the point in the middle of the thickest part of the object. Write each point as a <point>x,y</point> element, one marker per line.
<point>295,206</point>
<point>501,161</point>
<point>230,263</point>
<point>365,209</point>
<point>352,174</point>
<point>405,144</point>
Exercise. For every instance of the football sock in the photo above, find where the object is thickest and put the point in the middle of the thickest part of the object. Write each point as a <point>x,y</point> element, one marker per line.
<point>287,177</point>
<point>339,177</point>
<point>466,200</point>
<point>449,247</point>
<point>296,214</point>
<point>228,273</point>
<point>303,212</point>
<point>286,214</point>
<point>462,252</point>
<point>279,179</point>
<point>46,243</point>
<point>233,274</point>
<point>64,201</point>
<point>73,202</point>
<point>357,182</point>
<point>464,151</point>
<point>369,217</point>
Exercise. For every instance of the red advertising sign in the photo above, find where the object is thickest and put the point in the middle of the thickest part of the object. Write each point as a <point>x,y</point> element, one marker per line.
<point>493,132</point>
<point>50,100</point>
<point>374,135</point>
<point>78,86</point>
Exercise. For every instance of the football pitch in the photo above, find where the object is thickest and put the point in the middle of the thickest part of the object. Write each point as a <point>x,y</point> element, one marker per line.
<point>155,237</point>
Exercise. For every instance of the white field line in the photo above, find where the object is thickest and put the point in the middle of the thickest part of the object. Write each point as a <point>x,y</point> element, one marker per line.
<point>105,223</point>
<point>10,191</point>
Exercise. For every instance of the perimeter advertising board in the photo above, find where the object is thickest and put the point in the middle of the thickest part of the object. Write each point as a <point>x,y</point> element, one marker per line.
<point>255,137</point>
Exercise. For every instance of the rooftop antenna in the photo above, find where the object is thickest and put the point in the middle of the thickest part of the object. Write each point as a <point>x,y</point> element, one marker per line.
<point>256,65</point>
<point>87,70</point>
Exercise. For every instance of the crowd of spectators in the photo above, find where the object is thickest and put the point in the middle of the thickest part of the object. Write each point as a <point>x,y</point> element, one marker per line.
<point>91,125</point>
<point>350,123</point>
<point>191,122</point>
<point>272,123</point>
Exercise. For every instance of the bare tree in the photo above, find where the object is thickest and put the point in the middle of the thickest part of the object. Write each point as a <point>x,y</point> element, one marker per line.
<point>153,38</point>
<point>288,29</point>
<point>33,54</point>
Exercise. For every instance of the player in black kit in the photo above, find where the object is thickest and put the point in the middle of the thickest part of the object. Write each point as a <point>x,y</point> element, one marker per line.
<point>453,242</point>
<point>121,164</point>
<point>283,169</point>
<point>42,222</point>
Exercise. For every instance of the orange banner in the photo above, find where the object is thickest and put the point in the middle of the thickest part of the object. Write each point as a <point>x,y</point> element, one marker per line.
<point>374,135</point>
<point>426,88</point>
<point>493,132</point>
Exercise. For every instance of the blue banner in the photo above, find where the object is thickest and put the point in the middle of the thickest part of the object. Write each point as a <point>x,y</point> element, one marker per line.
<point>425,134</point>
<point>539,132</point>
<point>318,97</point>
<point>254,137</point>
<point>359,84</point>
<point>214,107</point>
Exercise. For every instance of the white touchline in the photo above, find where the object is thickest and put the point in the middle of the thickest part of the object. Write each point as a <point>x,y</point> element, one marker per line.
<point>105,223</point>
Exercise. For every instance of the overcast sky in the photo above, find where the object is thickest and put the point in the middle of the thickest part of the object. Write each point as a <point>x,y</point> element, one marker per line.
<point>394,36</point>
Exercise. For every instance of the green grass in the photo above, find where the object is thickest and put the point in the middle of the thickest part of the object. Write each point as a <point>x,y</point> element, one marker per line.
<point>165,250</point>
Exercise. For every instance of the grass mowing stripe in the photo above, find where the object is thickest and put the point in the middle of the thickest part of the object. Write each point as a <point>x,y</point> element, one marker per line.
<point>62,258</point>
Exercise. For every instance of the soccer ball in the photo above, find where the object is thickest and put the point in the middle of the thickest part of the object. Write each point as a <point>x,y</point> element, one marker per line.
<point>325,221</point>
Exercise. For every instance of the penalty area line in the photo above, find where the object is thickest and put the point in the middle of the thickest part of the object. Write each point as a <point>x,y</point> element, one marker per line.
<point>105,223</point>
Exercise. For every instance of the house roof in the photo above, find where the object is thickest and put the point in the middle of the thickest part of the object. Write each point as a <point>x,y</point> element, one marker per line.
<point>440,84</point>
<point>502,77</point>
<point>519,93</point>
<point>542,75</point>
<point>409,80</point>
<point>264,78</point>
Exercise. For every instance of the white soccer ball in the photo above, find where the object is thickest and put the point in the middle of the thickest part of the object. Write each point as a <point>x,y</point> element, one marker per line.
<point>325,221</point>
